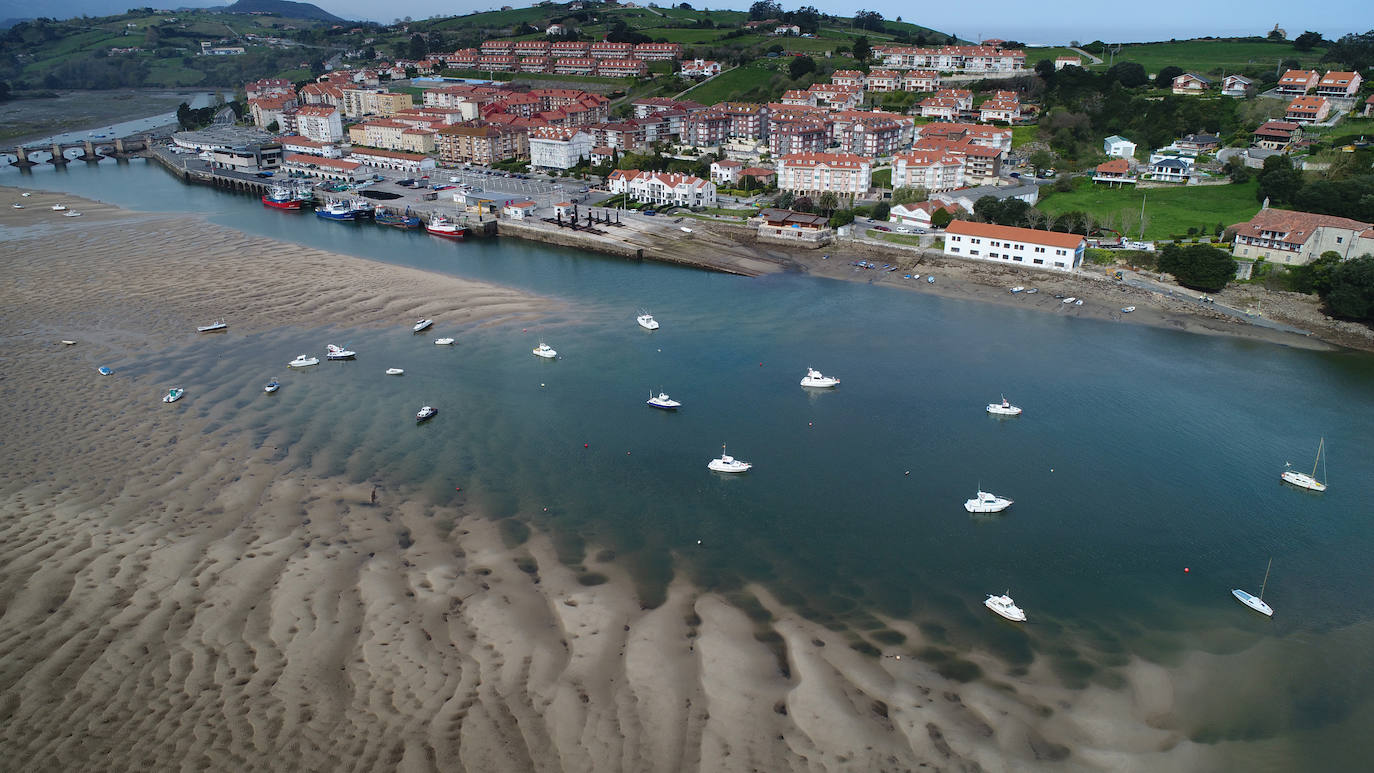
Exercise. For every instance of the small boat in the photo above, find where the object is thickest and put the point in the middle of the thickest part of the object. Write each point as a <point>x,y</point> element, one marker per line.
<point>173,395</point>
<point>442,226</point>
<point>1302,479</point>
<point>384,217</point>
<point>104,370</point>
<point>815,380</point>
<point>684,229</point>
<point>59,208</point>
<point>1078,302</point>
<point>647,321</point>
<point>1017,289</point>
<point>337,210</point>
<point>930,279</point>
<point>283,198</point>
<point>71,214</point>
<point>1127,309</point>
<point>333,352</point>
<point>17,205</point>
<point>1004,408</point>
<point>303,361</point>
<point>543,350</point>
<point>395,372</point>
<point>26,194</point>
<point>662,400</point>
<point>221,325</point>
<point>1004,606</point>
<point>987,503</point>
<point>421,324</point>
<point>1069,299</point>
<point>443,342</point>
<point>272,386</point>
<point>426,413</point>
<point>1032,291</point>
<point>68,343</point>
<point>727,463</point>
<point>1256,602</point>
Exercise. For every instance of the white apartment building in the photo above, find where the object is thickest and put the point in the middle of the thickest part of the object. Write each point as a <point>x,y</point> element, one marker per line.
<point>664,188</point>
<point>319,122</point>
<point>1014,246</point>
<point>932,171</point>
<point>813,173</point>
<point>559,147</point>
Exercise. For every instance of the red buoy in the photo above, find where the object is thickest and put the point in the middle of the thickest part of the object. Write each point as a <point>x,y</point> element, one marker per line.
<point>584,445</point>
<point>1185,570</point>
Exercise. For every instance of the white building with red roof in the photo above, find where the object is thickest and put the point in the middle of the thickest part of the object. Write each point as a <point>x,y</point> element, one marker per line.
<point>269,87</point>
<point>319,122</point>
<point>972,59</point>
<point>324,168</point>
<point>1298,238</point>
<point>844,174</point>
<point>725,172</point>
<point>666,189</point>
<point>559,147</point>
<point>931,170</point>
<point>699,68</point>
<point>1115,173</point>
<point>1014,246</point>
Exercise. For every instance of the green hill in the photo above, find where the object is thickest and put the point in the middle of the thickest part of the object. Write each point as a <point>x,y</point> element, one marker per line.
<point>284,8</point>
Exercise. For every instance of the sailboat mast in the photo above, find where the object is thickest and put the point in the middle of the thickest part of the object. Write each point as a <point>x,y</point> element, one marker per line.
<point>1316,461</point>
<point>1266,577</point>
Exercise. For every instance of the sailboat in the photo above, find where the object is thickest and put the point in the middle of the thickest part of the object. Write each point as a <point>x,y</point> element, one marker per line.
<point>1302,479</point>
<point>1256,602</point>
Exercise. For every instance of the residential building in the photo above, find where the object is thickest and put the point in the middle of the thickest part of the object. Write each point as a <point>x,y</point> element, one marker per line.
<point>1368,106</point>
<point>939,108</point>
<point>269,110</point>
<point>319,122</point>
<point>870,137</point>
<point>1115,173</point>
<point>360,101</point>
<point>699,68</point>
<point>1171,169</point>
<point>882,81</point>
<point>932,171</point>
<point>1000,109</point>
<point>799,97</point>
<point>1060,62</point>
<point>1193,144</point>
<point>1014,246</point>
<point>575,65</point>
<point>620,135</point>
<point>969,134</point>
<point>497,47</point>
<point>530,48</point>
<point>559,147</point>
<point>666,189</point>
<point>787,30</point>
<point>804,228</point>
<point>409,164</point>
<point>322,94</point>
<point>649,105</point>
<point>621,68</point>
<point>982,164</point>
<point>1341,85</point>
<point>920,214</point>
<point>536,63</point>
<point>837,97</point>
<point>1297,82</point>
<point>318,167</point>
<point>972,59</point>
<point>269,87</point>
<point>602,155</point>
<point>921,80</point>
<point>1308,109</point>
<point>844,174</point>
<point>967,197</point>
<point>1118,146</point>
<point>386,133</point>
<point>481,143</point>
<point>1191,83</point>
<point>797,137</point>
<point>1237,86</point>
<point>304,146</point>
<point>849,78</point>
<point>1277,135</point>
<point>763,175</point>
<point>1298,238</point>
<point>725,172</point>
<point>603,49</point>
<point>498,62</point>
<point>658,52</point>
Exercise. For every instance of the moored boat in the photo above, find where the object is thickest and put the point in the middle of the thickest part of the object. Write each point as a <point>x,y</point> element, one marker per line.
<point>395,372</point>
<point>662,400</point>
<point>1004,606</point>
<point>333,352</point>
<point>983,502</point>
<point>303,361</point>
<point>272,386</point>
<point>283,198</point>
<point>337,210</point>
<point>212,327</point>
<point>1127,309</point>
<point>173,395</point>
<point>105,370</point>
<point>647,321</point>
<point>1302,479</point>
<point>59,207</point>
<point>421,324</point>
<point>384,217</point>
<point>443,342</point>
<point>442,226</point>
<point>545,351</point>
<point>1004,408</point>
<point>727,463</point>
<point>1256,602</point>
<point>425,414</point>
<point>815,380</point>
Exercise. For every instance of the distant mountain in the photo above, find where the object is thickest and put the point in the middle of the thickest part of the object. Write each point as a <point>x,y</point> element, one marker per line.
<point>285,8</point>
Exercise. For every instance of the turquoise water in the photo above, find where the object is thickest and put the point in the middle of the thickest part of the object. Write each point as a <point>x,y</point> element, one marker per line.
<point>1141,452</point>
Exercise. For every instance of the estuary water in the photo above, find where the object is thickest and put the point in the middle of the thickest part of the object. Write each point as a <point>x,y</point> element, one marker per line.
<point>1141,452</point>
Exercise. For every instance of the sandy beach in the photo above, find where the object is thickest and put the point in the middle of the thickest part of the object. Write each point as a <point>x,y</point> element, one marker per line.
<point>178,592</point>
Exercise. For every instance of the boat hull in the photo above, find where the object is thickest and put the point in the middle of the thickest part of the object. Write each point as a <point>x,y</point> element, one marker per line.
<point>717,465</point>
<point>341,216</point>
<point>1302,480</point>
<point>998,410</point>
<point>456,234</point>
<point>303,363</point>
<point>292,204</point>
<point>671,405</point>
<point>1014,614</point>
<point>1254,602</point>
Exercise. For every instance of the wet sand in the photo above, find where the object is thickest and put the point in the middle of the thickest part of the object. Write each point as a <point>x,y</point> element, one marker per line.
<point>177,591</point>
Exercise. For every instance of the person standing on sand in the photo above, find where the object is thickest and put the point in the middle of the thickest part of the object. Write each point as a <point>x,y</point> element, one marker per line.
<point>374,495</point>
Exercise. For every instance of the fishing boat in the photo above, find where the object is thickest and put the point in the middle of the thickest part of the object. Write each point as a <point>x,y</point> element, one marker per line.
<point>105,370</point>
<point>425,414</point>
<point>1127,309</point>
<point>1302,479</point>
<point>337,210</point>
<point>283,198</point>
<point>442,226</point>
<point>303,361</point>
<point>333,352</point>
<point>385,217</point>
<point>1004,408</point>
<point>443,342</point>
<point>983,502</point>
<point>545,351</point>
<point>421,324</point>
<point>59,208</point>
<point>815,380</point>
<point>272,386</point>
<point>360,209</point>
<point>647,321</point>
<point>221,325</point>
<point>173,395</point>
<point>662,400</point>
<point>727,463</point>
<point>395,372</point>
<point>1256,602</point>
<point>1004,606</point>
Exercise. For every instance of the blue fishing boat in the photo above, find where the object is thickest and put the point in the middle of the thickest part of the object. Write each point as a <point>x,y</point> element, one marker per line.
<point>395,220</point>
<point>337,210</point>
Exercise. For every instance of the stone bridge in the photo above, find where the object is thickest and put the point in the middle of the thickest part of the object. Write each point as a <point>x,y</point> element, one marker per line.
<point>93,150</point>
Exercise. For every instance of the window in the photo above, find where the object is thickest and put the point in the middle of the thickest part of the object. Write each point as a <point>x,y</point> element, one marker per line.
<point>1059,252</point>
<point>1038,262</point>
<point>1017,258</point>
<point>973,252</point>
<point>1340,239</point>
<point>1059,264</point>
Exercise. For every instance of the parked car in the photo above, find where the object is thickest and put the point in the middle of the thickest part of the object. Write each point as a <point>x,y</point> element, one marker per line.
<point>881,228</point>
<point>901,229</point>
<point>650,212</point>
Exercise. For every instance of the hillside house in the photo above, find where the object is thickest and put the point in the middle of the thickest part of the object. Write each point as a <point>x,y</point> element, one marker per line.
<point>1297,82</point>
<point>1115,173</point>
<point>1237,86</point>
<point>1118,146</point>
<point>1308,109</point>
<point>1191,83</point>
<point>1014,246</point>
<point>1298,238</point>
<point>1339,85</point>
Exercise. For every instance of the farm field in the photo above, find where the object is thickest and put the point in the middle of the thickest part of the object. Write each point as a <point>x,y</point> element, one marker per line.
<point>1167,210</point>
<point>1216,57</point>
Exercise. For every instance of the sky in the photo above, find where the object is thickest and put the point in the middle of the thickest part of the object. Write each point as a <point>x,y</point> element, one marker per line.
<point>1046,22</point>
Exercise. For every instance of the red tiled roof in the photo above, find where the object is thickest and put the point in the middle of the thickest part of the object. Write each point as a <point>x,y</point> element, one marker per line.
<point>1115,166</point>
<point>1298,226</point>
<point>1012,233</point>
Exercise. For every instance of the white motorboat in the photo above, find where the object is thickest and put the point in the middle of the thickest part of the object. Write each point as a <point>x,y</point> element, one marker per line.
<point>1004,408</point>
<point>17,205</point>
<point>987,503</point>
<point>71,214</point>
<point>543,350</point>
<point>421,324</point>
<point>443,342</point>
<point>647,321</point>
<point>1032,291</point>
<point>727,463</point>
<point>59,208</point>
<point>1302,479</point>
<point>1017,289</point>
<point>662,400</point>
<point>105,370</point>
<point>1127,309</point>
<point>333,352</point>
<point>1004,606</point>
<point>173,395</point>
<point>1256,602</point>
<point>395,372</point>
<point>814,379</point>
<point>210,328</point>
<point>425,413</point>
<point>303,361</point>
<point>272,386</point>
<point>1069,299</point>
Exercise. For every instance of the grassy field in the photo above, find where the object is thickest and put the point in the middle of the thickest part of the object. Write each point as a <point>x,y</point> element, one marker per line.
<point>1214,56</point>
<point>729,85</point>
<point>1035,54</point>
<point>170,72</point>
<point>882,178</point>
<point>1167,210</point>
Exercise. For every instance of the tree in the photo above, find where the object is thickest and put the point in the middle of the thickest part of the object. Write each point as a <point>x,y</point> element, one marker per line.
<point>418,47</point>
<point>1307,41</point>
<point>869,20</point>
<point>1198,266</point>
<point>784,200</point>
<point>1041,160</point>
<point>1279,181</point>
<point>1315,277</point>
<point>1165,78</point>
<point>801,65</point>
<point>1128,74</point>
<point>881,210</point>
<point>829,202</point>
<point>1355,51</point>
<point>1352,289</point>
<point>861,49</point>
<point>765,9</point>
<point>909,195</point>
<point>941,217</point>
<point>842,217</point>
<point>803,204</point>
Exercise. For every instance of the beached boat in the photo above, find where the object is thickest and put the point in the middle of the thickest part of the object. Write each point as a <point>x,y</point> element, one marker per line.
<point>727,463</point>
<point>272,386</point>
<point>425,414</point>
<point>395,372</point>
<point>59,208</point>
<point>442,226</point>
<point>303,361</point>
<point>105,370</point>
<point>333,352</point>
<point>221,325</point>
<point>1017,289</point>
<point>1302,479</point>
<point>421,324</point>
<point>930,279</point>
<point>647,321</point>
<point>1127,309</point>
<point>71,214</point>
<point>1004,408</point>
<point>1078,302</point>
<point>283,198</point>
<point>662,400</point>
<point>68,342</point>
<point>1069,299</point>
<point>1004,606</point>
<point>443,342</point>
<point>384,217</point>
<point>17,205</point>
<point>814,379</point>
<point>173,395</point>
<point>984,502</point>
<point>337,210</point>
<point>1256,602</point>
<point>1032,291</point>
<point>543,350</point>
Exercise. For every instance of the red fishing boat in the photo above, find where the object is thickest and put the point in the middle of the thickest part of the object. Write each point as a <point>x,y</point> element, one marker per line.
<point>283,198</point>
<point>442,226</point>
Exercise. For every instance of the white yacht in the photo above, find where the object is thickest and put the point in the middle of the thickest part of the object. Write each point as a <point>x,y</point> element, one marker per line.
<point>395,372</point>
<point>1256,602</point>
<point>303,361</point>
<point>727,463</point>
<point>1017,289</point>
<point>662,400</point>
<point>1004,408</point>
<point>814,379</point>
<point>59,208</point>
<point>1302,479</point>
<point>421,324</point>
<point>1004,606</point>
<point>647,321</point>
<point>339,353</point>
<point>425,413</point>
<point>443,342</point>
<point>987,503</point>
<point>545,351</point>
<point>1069,299</point>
